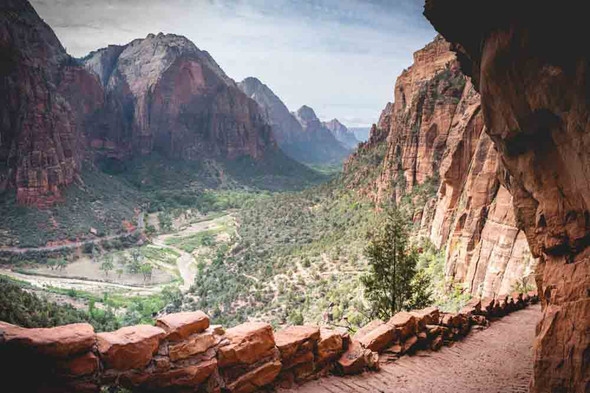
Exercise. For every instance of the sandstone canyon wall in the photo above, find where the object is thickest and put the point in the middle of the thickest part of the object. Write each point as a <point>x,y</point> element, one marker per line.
<point>432,137</point>
<point>535,103</point>
<point>45,96</point>
<point>158,94</point>
<point>171,97</point>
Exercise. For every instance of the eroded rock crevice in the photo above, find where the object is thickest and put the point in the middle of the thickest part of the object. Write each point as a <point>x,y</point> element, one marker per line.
<point>534,96</point>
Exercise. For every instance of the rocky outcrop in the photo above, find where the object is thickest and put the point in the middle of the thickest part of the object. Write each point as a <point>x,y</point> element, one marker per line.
<point>436,153</point>
<point>160,94</point>
<point>304,139</point>
<point>534,98</point>
<point>186,354</point>
<point>171,97</point>
<point>342,133</point>
<point>46,95</point>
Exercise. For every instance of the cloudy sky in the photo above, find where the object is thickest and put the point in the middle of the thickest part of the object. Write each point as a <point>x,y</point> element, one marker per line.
<point>340,57</point>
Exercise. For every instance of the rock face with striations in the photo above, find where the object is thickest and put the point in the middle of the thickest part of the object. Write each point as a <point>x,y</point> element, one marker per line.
<point>432,139</point>
<point>313,142</point>
<point>535,100</point>
<point>171,97</point>
<point>159,94</point>
<point>46,95</point>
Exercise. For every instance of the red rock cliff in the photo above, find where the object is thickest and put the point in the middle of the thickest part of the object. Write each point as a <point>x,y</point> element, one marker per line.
<point>45,95</point>
<point>171,97</point>
<point>535,101</point>
<point>160,94</point>
<point>433,135</point>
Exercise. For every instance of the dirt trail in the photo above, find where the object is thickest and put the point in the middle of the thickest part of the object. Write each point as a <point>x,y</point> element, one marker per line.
<point>186,263</point>
<point>498,359</point>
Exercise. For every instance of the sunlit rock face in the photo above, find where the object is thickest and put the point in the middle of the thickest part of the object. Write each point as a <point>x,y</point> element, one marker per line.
<point>168,96</point>
<point>160,94</point>
<point>434,136</point>
<point>535,101</point>
<point>45,96</point>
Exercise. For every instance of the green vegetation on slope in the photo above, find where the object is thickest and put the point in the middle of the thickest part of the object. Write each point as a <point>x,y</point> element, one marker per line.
<point>20,306</point>
<point>298,254</point>
<point>26,309</point>
<point>109,195</point>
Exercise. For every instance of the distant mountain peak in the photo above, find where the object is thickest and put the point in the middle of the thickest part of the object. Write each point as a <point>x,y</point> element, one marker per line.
<point>300,134</point>
<point>306,115</point>
<point>342,133</point>
<point>150,57</point>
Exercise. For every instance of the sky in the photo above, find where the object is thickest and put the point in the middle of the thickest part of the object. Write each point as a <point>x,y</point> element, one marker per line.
<point>341,57</point>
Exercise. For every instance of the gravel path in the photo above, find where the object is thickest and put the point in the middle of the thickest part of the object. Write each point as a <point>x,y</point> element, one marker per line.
<point>186,263</point>
<point>498,359</point>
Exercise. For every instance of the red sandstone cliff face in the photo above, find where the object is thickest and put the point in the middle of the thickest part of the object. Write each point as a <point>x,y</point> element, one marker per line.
<point>157,94</point>
<point>171,97</point>
<point>433,136</point>
<point>45,95</point>
<point>534,97</point>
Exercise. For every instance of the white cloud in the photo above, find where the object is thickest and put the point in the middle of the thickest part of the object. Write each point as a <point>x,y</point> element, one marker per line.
<point>340,57</point>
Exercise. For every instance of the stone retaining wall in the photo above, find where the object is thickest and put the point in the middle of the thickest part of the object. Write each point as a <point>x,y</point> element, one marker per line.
<point>183,352</point>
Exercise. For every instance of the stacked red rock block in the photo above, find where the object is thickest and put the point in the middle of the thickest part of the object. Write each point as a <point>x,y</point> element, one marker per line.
<point>184,353</point>
<point>429,328</point>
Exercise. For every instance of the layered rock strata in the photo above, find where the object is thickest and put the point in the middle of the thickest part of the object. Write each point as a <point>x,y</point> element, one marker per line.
<point>45,95</point>
<point>534,98</point>
<point>184,353</point>
<point>169,96</point>
<point>160,94</point>
<point>437,154</point>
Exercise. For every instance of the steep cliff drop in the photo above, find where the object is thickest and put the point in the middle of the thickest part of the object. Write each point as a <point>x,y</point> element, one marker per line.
<point>535,100</point>
<point>429,146</point>
<point>169,96</point>
<point>45,95</point>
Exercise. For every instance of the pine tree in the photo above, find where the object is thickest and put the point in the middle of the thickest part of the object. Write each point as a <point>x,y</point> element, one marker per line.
<point>392,283</point>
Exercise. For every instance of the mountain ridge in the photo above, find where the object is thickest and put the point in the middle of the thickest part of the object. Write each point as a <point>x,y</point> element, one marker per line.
<point>304,139</point>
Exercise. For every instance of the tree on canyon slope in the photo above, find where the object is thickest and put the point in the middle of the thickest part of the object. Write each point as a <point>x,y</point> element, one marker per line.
<point>393,282</point>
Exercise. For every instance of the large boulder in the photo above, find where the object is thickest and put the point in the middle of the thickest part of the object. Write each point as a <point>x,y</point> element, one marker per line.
<point>379,338</point>
<point>255,378</point>
<point>295,339</point>
<point>129,347</point>
<point>357,359</point>
<point>330,345</point>
<point>296,345</point>
<point>60,342</point>
<point>472,307</point>
<point>426,316</point>
<point>81,365</point>
<point>248,343</point>
<point>193,345</point>
<point>190,376</point>
<point>179,326</point>
<point>487,306</point>
<point>367,329</point>
<point>405,323</point>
